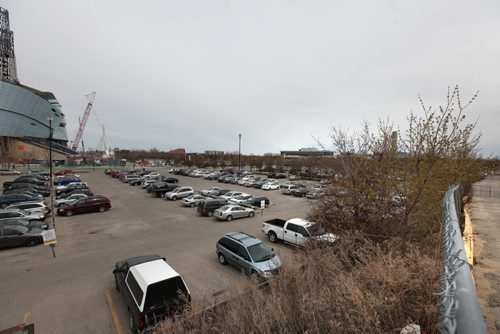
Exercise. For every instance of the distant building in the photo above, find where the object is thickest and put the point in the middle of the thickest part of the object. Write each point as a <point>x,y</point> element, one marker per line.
<point>216,153</point>
<point>177,152</point>
<point>305,152</point>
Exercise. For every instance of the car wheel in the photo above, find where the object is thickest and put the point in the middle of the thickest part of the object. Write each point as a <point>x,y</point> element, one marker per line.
<point>174,198</point>
<point>251,214</point>
<point>101,209</point>
<point>69,213</point>
<point>191,205</point>
<point>222,259</point>
<point>272,237</point>
<point>210,213</point>
<point>229,218</point>
<point>31,242</point>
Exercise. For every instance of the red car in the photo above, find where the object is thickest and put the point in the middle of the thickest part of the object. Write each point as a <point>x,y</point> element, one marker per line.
<point>90,204</point>
<point>64,172</point>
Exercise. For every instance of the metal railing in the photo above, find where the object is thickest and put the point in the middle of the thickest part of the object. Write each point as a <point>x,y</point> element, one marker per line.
<point>460,311</point>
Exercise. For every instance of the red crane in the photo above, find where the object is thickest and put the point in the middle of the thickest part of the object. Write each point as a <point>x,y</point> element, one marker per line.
<point>83,122</point>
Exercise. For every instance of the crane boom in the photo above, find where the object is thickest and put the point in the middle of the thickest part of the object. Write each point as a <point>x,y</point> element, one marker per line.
<point>83,122</point>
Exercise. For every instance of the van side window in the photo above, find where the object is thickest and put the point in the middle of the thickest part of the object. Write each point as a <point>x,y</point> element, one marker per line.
<point>135,289</point>
<point>243,253</point>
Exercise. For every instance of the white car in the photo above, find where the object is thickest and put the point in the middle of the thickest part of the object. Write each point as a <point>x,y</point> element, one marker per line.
<point>270,186</point>
<point>64,186</point>
<point>9,172</point>
<point>33,207</point>
<point>229,195</point>
<point>242,199</point>
<point>70,199</point>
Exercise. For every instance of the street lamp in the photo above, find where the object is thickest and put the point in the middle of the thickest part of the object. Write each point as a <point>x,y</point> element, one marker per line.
<point>239,153</point>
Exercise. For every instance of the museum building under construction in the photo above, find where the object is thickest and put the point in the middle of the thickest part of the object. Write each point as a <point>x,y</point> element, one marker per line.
<point>26,114</point>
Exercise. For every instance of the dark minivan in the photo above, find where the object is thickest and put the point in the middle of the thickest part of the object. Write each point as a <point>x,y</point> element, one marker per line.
<point>92,204</point>
<point>208,207</point>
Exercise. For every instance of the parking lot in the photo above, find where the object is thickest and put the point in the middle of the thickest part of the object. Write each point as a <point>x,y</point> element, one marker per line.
<point>67,294</point>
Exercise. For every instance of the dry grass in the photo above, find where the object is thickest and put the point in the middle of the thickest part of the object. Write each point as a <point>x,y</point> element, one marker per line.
<point>358,286</point>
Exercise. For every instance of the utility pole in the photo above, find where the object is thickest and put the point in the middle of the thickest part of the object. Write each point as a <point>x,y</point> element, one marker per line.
<point>239,153</point>
<point>51,133</point>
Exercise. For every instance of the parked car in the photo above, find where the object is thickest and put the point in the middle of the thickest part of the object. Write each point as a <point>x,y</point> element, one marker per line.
<point>242,199</point>
<point>300,192</point>
<point>151,290</point>
<point>249,254</point>
<point>288,189</point>
<point>171,180</point>
<point>9,172</point>
<point>296,231</point>
<point>258,184</point>
<point>257,201</point>
<point>69,199</point>
<point>71,187</point>
<point>212,191</point>
<point>230,212</point>
<point>33,187</point>
<point>179,192</point>
<point>208,207</point>
<point>16,235</point>
<point>25,191</point>
<point>227,196</point>
<point>91,204</point>
<point>273,185</point>
<point>66,179</point>
<point>65,186</point>
<point>27,180</point>
<point>160,189</point>
<point>6,200</point>
<point>77,191</point>
<point>24,222</point>
<point>18,213</point>
<point>131,177</point>
<point>315,193</point>
<point>33,206</point>
<point>193,200</point>
<point>64,172</point>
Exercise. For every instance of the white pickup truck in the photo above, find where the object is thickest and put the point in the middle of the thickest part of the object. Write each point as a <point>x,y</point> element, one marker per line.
<point>296,231</point>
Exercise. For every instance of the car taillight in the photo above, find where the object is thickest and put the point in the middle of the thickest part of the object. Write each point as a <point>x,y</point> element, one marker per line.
<point>46,208</point>
<point>140,322</point>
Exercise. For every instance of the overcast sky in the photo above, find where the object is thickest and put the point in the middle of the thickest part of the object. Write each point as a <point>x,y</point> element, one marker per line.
<point>195,74</point>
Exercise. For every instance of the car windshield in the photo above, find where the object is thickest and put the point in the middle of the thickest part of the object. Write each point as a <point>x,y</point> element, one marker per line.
<point>316,230</point>
<point>260,252</point>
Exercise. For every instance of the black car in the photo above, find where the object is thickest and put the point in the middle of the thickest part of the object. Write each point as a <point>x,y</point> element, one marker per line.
<point>258,184</point>
<point>26,179</point>
<point>25,191</point>
<point>16,235</point>
<point>71,187</point>
<point>208,207</point>
<point>24,222</point>
<point>6,200</point>
<point>160,190</point>
<point>171,180</point>
<point>258,200</point>
<point>300,192</point>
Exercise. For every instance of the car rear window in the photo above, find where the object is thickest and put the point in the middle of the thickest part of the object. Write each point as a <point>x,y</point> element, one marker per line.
<point>135,289</point>
<point>165,292</point>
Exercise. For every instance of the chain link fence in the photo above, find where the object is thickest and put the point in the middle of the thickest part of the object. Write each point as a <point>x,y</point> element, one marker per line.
<point>460,311</point>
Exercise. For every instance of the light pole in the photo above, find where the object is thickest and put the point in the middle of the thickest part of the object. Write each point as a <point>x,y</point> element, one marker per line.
<point>239,153</point>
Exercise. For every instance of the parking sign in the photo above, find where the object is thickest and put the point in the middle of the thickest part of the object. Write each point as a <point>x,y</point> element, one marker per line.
<point>262,204</point>
<point>49,237</point>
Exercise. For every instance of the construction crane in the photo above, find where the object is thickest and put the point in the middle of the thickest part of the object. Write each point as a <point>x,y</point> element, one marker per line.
<point>83,121</point>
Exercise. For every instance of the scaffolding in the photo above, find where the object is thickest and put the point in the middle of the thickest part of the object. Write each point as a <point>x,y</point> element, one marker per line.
<point>8,71</point>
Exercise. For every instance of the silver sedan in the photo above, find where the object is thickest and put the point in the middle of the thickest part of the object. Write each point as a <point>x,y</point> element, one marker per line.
<point>193,200</point>
<point>230,212</point>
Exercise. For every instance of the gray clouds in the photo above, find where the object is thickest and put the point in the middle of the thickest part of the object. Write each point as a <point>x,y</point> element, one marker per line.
<point>194,74</point>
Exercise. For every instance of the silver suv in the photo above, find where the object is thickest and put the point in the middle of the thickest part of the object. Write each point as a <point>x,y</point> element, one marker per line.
<point>180,192</point>
<point>249,254</point>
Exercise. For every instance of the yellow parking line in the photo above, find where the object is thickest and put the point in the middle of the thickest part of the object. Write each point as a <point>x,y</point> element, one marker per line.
<point>112,308</point>
<point>26,317</point>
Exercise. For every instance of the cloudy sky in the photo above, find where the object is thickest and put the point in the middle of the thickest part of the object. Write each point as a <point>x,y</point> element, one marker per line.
<point>195,74</point>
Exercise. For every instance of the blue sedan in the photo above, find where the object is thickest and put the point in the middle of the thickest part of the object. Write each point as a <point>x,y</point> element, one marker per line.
<point>66,180</point>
